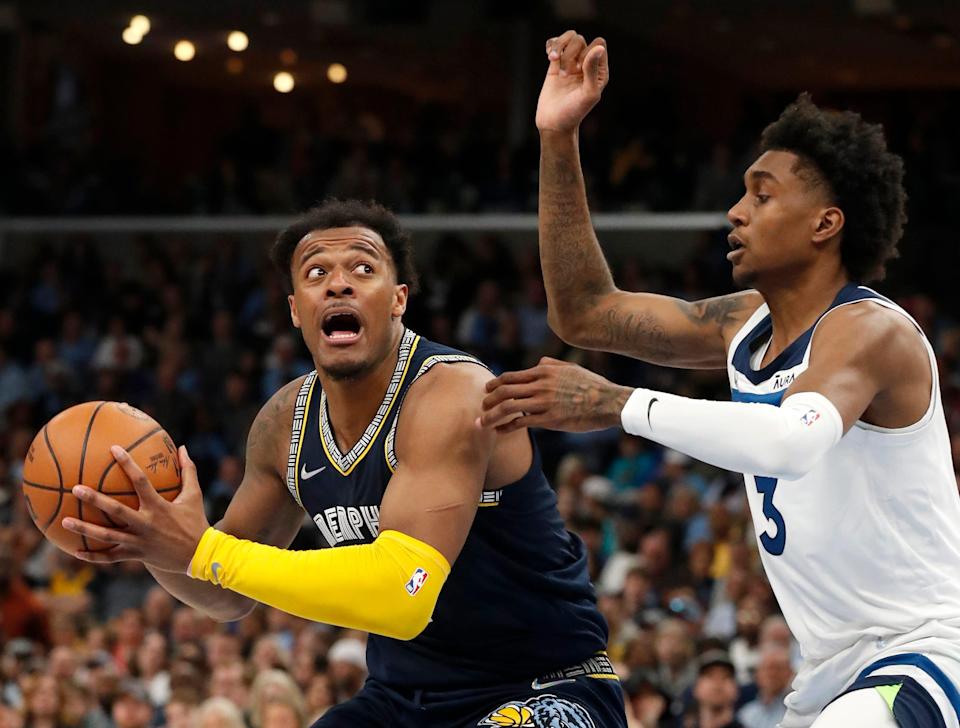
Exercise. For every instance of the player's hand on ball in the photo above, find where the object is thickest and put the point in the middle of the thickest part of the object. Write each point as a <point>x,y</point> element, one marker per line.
<point>555,395</point>
<point>161,534</point>
<point>575,79</point>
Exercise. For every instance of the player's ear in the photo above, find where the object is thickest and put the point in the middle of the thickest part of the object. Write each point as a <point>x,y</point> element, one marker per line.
<point>294,316</point>
<point>829,223</point>
<point>400,294</point>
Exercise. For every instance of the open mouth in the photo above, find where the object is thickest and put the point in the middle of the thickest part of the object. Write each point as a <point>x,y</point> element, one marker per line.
<point>341,327</point>
<point>736,247</point>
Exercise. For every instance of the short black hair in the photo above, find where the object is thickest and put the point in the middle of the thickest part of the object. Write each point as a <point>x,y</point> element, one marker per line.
<point>334,213</point>
<point>863,178</point>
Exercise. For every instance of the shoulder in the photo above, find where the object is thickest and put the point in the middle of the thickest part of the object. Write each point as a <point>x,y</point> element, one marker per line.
<point>458,385</point>
<point>443,405</point>
<point>872,334</point>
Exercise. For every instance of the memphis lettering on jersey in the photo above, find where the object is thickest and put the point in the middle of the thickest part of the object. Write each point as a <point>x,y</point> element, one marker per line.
<point>344,524</point>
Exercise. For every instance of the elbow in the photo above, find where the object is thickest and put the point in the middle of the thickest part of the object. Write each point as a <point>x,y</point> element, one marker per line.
<point>570,330</point>
<point>231,611</point>
<point>792,464</point>
<point>410,623</point>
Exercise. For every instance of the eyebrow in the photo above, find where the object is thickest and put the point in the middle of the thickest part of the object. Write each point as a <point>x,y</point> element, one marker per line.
<point>761,174</point>
<point>360,247</point>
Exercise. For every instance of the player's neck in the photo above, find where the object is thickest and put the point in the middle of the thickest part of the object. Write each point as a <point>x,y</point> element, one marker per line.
<point>353,403</point>
<point>795,307</point>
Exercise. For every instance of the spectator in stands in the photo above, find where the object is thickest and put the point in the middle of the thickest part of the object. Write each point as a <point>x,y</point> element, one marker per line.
<point>773,677</point>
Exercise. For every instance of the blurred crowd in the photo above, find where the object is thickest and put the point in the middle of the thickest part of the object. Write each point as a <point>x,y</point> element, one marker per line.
<point>199,336</point>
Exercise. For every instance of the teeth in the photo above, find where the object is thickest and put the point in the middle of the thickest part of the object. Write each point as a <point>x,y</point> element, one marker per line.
<point>342,335</point>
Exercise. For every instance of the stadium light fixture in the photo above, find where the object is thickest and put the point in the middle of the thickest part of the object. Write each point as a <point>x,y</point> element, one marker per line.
<point>131,36</point>
<point>184,50</point>
<point>237,41</point>
<point>337,73</point>
<point>141,24</point>
<point>283,82</point>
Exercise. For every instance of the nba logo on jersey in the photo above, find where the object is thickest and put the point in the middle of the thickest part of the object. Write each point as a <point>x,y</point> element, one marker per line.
<point>416,581</point>
<point>810,417</point>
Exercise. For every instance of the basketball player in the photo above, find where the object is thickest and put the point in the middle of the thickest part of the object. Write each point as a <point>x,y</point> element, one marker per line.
<point>836,421</point>
<point>444,539</point>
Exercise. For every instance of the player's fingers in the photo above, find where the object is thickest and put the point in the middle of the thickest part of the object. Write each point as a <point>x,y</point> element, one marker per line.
<point>555,49</point>
<point>111,556</point>
<point>116,510</point>
<point>524,376</point>
<point>101,533</point>
<point>188,477</point>
<point>596,71</point>
<point>506,411</point>
<point>145,490</point>
<point>508,391</point>
<point>570,55</point>
<point>519,423</point>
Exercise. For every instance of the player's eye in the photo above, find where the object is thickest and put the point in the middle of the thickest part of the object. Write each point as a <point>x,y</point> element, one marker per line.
<point>761,198</point>
<point>364,268</point>
<point>315,272</point>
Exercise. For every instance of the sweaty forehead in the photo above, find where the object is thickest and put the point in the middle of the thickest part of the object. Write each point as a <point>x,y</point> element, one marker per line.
<point>339,238</point>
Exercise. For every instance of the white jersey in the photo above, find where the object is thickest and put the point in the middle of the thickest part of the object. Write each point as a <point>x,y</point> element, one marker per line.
<point>863,552</point>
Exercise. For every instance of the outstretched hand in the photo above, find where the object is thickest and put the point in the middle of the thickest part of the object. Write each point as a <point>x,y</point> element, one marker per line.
<point>575,79</point>
<point>162,534</point>
<point>555,395</point>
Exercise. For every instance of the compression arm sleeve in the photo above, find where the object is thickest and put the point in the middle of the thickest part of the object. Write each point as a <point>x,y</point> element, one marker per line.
<point>784,442</point>
<point>389,587</point>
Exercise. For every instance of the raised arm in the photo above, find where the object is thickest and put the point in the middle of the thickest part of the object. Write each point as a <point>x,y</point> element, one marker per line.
<point>585,307</point>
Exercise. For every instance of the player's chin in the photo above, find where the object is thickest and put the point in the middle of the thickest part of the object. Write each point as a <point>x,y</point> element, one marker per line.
<point>743,276</point>
<point>345,365</point>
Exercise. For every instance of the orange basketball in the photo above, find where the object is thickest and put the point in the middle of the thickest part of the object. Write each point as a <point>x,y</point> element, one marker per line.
<point>74,447</point>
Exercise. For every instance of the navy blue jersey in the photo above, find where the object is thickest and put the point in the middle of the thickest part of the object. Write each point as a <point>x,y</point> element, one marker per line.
<point>518,602</point>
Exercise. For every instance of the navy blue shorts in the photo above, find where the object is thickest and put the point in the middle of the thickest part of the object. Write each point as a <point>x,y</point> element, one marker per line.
<point>583,702</point>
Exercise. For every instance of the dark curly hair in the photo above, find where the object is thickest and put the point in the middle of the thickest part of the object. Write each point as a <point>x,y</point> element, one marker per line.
<point>334,213</point>
<point>841,151</point>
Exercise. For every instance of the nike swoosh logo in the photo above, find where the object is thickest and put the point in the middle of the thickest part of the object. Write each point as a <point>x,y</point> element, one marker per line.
<point>216,568</point>
<point>649,407</point>
<point>537,685</point>
<point>307,474</point>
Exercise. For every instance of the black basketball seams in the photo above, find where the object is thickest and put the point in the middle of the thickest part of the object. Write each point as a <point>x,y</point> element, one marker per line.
<point>106,470</point>
<point>83,457</point>
<point>53,455</point>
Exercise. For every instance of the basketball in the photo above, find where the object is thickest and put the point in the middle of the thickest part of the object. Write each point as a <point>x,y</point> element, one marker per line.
<point>74,448</point>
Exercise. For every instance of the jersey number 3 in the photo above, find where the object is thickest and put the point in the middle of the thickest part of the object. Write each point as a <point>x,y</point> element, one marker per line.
<point>773,544</point>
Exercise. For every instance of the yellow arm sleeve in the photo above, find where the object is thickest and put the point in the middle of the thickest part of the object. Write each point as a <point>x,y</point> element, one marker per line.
<point>389,587</point>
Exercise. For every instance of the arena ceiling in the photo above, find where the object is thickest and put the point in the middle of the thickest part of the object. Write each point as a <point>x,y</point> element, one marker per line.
<point>423,47</point>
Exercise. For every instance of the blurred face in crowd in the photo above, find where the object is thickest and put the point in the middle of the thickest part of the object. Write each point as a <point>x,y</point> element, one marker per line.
<point>152,654</point>
<point>716,687</point>
<point>279,715</point>
<point>179,714</point>
<point>774,672</point>
<point>319,694</point>
<point>44,701</point>
<point>230,682</point>
<point>222,649</point>
<point>777,220</point>
<point>131,712</point>
<point>157,608</point>
<point>346,300</point>
<point>673,643</point>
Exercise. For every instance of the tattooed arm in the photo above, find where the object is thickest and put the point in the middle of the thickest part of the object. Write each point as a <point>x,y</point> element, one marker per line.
<point>584,305</point>
<point>262,509</point>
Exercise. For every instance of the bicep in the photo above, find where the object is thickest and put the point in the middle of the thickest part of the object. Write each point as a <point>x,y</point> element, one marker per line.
<point>665,330</point>
<point>262,510</point>
<point>433,494</point>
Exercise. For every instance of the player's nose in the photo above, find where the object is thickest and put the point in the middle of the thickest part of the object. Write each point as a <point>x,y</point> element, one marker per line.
<point>338,284</point>
<point>737,215</point>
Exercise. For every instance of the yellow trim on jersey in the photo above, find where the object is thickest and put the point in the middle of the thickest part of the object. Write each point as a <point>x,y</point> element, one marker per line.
<point>389,587</point>
<point>386,416</point>
<point>303,432</point>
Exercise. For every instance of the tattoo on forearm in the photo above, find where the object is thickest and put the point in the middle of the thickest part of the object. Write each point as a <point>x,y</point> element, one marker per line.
<point>592,404</point>
<point>575,271</point>
<point>640,332</point>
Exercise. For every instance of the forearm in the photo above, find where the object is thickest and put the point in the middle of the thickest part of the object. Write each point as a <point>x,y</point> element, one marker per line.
<point>783,442</point>
<point>575,272</point>
<point>389,587</point>
<point>218,604</point>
